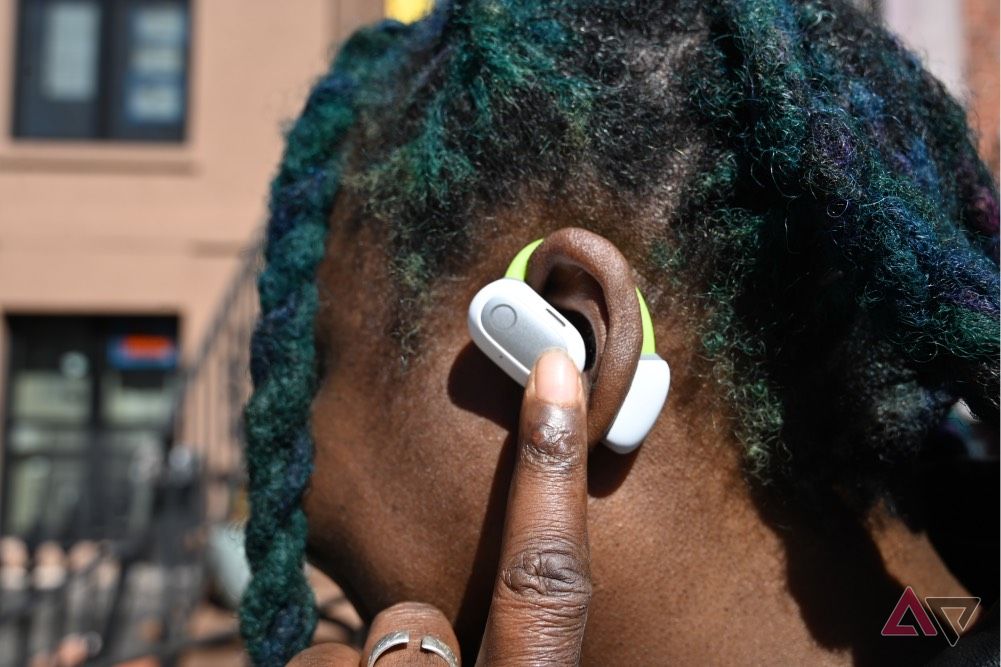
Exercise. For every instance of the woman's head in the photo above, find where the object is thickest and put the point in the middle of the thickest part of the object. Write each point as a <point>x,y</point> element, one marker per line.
<point>801,202</point>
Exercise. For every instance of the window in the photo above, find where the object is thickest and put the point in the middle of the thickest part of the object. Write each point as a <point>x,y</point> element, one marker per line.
<point>102,69</point>
<point>88,404</point>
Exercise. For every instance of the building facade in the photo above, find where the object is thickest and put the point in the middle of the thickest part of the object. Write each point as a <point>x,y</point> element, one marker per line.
<point>137,139</point>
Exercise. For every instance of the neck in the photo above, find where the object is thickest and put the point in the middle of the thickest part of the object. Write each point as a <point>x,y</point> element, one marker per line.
<point>717,573</point>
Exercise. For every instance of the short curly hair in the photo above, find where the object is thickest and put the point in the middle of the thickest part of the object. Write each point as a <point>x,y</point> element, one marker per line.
<point>831,230</point>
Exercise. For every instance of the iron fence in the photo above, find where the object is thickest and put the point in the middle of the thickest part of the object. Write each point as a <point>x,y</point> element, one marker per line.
<point>132,595</point>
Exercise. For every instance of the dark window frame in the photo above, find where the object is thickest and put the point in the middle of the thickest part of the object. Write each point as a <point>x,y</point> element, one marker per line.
<point>108,122</point>
<point>95,330</point>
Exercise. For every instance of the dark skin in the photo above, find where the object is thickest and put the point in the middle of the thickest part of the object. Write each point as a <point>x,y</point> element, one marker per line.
<point>689,563</point>
<point>540,598</point>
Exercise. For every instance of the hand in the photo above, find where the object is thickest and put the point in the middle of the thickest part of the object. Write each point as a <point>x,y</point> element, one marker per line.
<point>543,589</point>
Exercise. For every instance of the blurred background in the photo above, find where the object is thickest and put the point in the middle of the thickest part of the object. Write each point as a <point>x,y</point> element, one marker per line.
<point>137,139</point>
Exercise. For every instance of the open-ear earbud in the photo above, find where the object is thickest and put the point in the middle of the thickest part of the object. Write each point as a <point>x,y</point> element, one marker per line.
<point>512,324</point>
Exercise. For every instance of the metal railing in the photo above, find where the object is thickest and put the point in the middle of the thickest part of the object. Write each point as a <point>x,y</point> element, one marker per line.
<point>133,596</point>
<point>114,595</point>
<point>208,414</point>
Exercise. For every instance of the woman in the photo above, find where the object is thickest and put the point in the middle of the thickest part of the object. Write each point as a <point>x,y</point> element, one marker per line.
<point>802,207</point>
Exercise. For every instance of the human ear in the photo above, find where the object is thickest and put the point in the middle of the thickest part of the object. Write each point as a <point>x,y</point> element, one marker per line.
<point>588,279</point>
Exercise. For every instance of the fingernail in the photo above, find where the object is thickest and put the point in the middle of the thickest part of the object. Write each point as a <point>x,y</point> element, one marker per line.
<point>556,378</point>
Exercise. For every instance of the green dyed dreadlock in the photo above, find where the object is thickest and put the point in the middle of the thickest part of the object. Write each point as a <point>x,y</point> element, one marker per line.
<point>278,614</point>
<point>809,195</point>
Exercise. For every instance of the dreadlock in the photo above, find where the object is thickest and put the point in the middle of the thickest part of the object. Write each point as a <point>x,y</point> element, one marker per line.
<point>801,190</point>
<point>278,613</point>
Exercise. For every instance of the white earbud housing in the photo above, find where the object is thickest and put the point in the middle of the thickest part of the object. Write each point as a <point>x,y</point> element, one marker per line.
<point>512,324</point>
<point>644,401</point>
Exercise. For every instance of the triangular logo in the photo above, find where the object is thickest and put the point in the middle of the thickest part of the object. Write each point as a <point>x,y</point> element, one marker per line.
<point>908,602</point>
<point>953,624</point>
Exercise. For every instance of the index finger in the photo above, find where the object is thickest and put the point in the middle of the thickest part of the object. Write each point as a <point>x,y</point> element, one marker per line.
<point>543,585</point>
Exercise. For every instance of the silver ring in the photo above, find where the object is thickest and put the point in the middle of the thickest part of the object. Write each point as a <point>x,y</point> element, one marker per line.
<point>432,644</point>
<point>387,642</point>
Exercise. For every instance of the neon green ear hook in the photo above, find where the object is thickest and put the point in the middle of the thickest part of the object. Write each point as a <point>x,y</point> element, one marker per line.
<point>649,345</point>
<point>519,267</point>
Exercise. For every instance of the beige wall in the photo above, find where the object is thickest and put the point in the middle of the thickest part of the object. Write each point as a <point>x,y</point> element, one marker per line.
<point>154,228</point>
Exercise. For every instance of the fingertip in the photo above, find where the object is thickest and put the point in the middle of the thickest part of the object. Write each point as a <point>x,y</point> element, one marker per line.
<point>555,378</point>
<point>553,427</point>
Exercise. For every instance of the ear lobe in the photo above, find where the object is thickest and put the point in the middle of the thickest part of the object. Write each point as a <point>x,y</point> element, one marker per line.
<point>581,272</point>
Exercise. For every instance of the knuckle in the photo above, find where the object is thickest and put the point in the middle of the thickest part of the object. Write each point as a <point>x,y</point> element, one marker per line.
<point>550,574</point>
<point>552,440</point>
